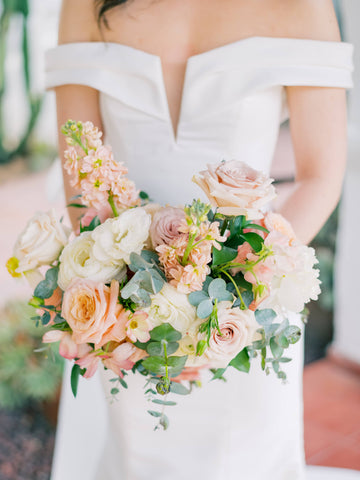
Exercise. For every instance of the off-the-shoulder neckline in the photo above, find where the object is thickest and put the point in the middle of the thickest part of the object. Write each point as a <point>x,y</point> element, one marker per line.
<point>206,53</point>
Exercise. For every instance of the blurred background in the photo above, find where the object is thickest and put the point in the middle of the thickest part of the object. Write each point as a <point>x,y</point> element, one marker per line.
<point>29,382</point>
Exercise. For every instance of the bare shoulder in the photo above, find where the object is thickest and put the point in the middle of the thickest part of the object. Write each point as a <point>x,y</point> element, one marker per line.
<point>311,19</point>
<point>77,21</point>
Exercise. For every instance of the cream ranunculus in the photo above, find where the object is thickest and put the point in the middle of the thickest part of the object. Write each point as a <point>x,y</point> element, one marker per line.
<point>236,189</point>
<point>77,260</point>
<point>171,306</point>
<point>118,237</point>
<point>238,330</point>
<point>41,241</point>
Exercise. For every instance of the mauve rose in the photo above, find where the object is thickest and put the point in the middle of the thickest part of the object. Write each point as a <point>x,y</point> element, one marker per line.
<point>91,309</point>
<point>165,225</point>
<point>236,189</point>
<point>238,328</point>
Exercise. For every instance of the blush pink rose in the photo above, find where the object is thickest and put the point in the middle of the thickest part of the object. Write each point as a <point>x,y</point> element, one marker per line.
<point>236,189</point>
<point>237,327</point>
<point>165,225</point>
<point>91,309</point>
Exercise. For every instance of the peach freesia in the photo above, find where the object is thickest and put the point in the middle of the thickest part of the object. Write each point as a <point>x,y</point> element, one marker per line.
<point>121,358</point>
<point>236,188</point>
<point>67,347</point>
<point>90,362</point>
<point>90,308</point>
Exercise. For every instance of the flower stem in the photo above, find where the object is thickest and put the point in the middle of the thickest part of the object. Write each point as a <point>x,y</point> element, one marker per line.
<point>188,249</point>
<point>112,205</point>
<point>243,306</point>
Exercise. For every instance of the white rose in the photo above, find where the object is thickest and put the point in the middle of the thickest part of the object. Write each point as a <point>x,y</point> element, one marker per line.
<point>118,237</point>
<point>188,345</point>
<point>77,260</point>
<point>171,306</point>
<point>41,241</point>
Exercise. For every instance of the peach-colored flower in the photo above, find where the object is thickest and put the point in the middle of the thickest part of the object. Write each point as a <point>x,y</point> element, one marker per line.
<point>72,165</point>
<point>275,221</point>
<point>210,231</point>
<point>121,358</point>
<point>236,189</point>
<point>67,347</point>
<point>238,328</point>
<point>90,308</point>
<point>189,374</point>
<point>124,193</point>
<point>201,254</point>
<point>138,327</point>
<point>165,225</point>
<point>91,213</point>
<point>170,255</point>
<point>189,278</point>
<point>260,272</point>
<point>91,135</point>
<point>90,362</point>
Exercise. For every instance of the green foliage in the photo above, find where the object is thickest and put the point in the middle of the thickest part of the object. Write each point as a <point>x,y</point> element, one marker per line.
<point>46,287</point>
<point>25,374</point>
<point>148,279</point>
<point>204,300</point>
<point>95,222</point>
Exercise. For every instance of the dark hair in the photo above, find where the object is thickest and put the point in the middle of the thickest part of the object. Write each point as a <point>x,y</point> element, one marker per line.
<point>102,6</point>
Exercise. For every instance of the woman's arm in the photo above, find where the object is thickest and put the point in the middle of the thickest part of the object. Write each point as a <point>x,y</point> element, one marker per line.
<point>76,102</point>
<point>318,127</point>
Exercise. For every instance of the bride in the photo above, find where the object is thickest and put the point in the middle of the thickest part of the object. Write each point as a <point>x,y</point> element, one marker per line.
<point>175,85</point>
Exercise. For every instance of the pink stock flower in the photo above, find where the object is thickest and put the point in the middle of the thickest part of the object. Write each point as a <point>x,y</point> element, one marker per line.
<point>72,165</point>
<point>91,135</point>
<point>124,193</point>
<point>91,309</point>
<point>189,278</point>
<point>276,222</point>
<point>138,327</point>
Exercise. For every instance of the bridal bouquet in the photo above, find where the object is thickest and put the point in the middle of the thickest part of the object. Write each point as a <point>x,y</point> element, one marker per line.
<point>165,291</point>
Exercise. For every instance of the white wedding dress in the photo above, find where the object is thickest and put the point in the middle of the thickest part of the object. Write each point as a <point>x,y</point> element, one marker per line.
<point>232,105</point>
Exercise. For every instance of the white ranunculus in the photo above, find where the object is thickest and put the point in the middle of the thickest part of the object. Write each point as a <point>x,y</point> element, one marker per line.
<point>118,237</point>
<point>78,260</point>
<point>171,306</point>
<point>41,241</point>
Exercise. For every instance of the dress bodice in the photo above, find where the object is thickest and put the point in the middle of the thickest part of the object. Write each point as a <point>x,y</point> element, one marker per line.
<point>232,104</point>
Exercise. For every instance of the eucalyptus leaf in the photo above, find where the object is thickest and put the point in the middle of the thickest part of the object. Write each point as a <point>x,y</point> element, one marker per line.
<point>46,287</point>
<point>195,298</point>
<point>276,350</point>
<point>292,333</point>
<point>219,373</point>
<point>205,308</point>
<point>114,391</point>
<point>155,364</point>
<point>217,290</point>
<point>179,389</point>
<point>45,319</point>
<point>164,422</point>
<point>166,332</point>
<point>265,317</point>
<point>167,403</point>
<point>155,414</point>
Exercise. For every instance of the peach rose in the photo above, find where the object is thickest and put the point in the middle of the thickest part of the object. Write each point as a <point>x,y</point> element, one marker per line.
<point>236,189</point>
<point>237,327</point>
<point>91,309</point>
<point>165,225</point>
